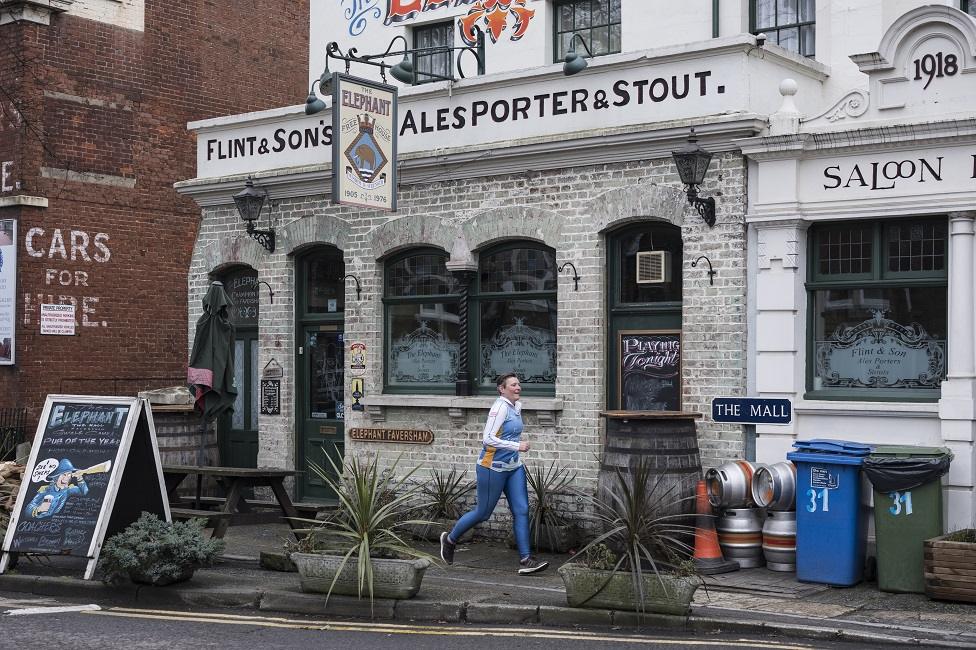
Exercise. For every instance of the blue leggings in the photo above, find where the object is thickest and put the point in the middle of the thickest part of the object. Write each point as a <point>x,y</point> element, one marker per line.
<point>491,484</point>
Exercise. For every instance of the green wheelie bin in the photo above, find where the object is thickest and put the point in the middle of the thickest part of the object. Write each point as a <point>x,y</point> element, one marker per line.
<point>907,510</point>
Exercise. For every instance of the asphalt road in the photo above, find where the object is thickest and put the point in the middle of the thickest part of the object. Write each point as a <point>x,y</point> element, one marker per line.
<point>41,623</point>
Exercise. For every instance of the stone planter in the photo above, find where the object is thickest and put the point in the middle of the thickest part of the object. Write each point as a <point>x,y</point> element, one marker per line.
<point>391,578</point>
<point>432,532</point>
<point>663,594</point>
<point>950,570</point>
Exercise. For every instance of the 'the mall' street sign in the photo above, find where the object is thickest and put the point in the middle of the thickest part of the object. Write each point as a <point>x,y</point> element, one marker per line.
<point>752,410</point>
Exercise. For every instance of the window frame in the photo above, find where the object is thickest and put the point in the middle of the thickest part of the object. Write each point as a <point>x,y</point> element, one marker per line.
<point>967,7</point>
<point>776,28</point>
<point>419,78</point>
<point>556,32</point>
<point>879,279</point>
<point>476,297</point>
<point>388,266</point>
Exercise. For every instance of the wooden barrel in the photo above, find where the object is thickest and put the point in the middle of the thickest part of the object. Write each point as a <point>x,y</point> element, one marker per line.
<point>667,441</point>
<point>182,442</point>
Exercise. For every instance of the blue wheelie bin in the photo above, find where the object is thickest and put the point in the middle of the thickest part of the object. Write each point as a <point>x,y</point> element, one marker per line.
<point>831,526</point>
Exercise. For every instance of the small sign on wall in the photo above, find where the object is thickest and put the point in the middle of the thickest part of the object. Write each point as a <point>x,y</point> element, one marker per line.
<point>270,397</point>
<point>58,320</point>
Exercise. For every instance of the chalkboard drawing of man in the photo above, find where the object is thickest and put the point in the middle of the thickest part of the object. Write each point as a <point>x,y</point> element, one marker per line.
<point>50,498</point>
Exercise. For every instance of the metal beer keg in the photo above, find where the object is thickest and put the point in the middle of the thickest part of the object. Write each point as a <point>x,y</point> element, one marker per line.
<point>779,540</point>
<point>774,486</point>
<point>730,484</point>
<point>740,536</point>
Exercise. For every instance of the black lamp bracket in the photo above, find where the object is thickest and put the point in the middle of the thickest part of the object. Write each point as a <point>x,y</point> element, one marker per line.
<point>270,292</point>
<point>711,272</point>
<point>572,46</point>
<point>705,206</point>
<point>576,277</point>
<point>333,51</point>
<point>264,237</point>
<point>359,289</point>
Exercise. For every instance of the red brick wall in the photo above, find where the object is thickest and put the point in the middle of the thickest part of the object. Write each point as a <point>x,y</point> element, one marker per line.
<point>107,111</point>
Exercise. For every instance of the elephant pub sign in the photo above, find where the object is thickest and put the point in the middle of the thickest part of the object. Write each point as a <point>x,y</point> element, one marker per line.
<point>364,149</point>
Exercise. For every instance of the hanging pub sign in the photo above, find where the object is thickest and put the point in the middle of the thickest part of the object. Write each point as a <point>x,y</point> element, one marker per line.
<point>8,289</point>
<point>364,150</point>
<point>93,469</point>
<point>649,370</point>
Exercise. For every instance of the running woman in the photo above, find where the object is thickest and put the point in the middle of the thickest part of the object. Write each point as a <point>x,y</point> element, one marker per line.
<point>500,470</point>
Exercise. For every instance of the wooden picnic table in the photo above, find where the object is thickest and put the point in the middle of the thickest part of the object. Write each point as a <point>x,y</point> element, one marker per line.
<point>233,481</point>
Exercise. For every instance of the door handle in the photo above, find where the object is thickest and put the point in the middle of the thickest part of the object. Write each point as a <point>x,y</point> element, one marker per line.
<point>301,350</point>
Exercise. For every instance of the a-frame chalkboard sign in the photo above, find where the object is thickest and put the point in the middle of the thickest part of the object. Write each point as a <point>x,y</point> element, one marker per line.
<point>93,469</point>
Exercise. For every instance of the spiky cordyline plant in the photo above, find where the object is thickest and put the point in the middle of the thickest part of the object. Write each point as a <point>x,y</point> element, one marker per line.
<point>365,525</point>
<point>444,493</point>
<point>544,484</point>
<point>642,538</point>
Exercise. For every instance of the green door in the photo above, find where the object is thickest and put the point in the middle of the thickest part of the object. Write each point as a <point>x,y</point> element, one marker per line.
<point>644,308</point>
<point>237,432</point>
<point>320,400</point>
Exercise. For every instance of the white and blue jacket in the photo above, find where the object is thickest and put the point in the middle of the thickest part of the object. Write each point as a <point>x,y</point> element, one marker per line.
<point>500,442</point>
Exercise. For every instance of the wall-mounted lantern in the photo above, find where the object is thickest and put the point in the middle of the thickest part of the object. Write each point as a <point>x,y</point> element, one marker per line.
<point>249,202</point>
<point>692,163</point>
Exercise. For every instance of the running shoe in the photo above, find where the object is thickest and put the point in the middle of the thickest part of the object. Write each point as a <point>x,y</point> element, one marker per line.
<point>531,565</point>
<point>447,549</point>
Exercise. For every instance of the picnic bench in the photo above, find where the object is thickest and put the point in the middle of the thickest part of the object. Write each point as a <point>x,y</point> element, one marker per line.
<point>234,482</point>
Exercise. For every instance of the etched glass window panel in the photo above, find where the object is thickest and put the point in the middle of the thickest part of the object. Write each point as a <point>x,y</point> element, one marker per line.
<point>518,336</point>
<point>242,289</point>
<point>916,246</point>
<point>885,338</point>
<point>424,344</point>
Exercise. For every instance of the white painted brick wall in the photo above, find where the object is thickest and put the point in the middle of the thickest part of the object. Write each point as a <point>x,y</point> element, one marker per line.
<point>714,317</point>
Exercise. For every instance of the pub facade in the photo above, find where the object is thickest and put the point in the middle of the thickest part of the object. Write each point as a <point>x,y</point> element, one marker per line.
<point>540,228</point>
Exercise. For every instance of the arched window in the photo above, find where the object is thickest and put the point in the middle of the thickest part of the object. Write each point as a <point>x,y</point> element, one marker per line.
<point>514,310</point>
<point>422,339</point>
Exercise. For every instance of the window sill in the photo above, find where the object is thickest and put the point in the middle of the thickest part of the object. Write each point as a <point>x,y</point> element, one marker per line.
<point>545,408</point>
<point>872,409</point>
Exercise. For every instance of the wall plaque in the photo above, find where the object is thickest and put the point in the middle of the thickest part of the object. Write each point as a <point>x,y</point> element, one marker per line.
<point>405,436</point>
<point>270,397</point>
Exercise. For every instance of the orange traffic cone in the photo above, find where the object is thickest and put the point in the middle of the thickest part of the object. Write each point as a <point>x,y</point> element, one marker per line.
<point>708,554</point>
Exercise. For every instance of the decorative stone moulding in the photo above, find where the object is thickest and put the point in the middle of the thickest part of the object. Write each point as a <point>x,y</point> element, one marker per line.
<point>32,11</point>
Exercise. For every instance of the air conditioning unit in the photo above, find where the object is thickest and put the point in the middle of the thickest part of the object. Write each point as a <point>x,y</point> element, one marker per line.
<point>653,267</point>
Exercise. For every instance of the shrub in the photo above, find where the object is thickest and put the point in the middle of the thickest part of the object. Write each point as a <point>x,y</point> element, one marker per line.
<point>158,553</point>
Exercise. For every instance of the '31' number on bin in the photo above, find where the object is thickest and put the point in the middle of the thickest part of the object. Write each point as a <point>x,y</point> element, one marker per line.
<point>899,498</point>
<point>823,495</point>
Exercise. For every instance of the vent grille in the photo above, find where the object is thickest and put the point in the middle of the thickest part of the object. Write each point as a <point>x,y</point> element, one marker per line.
<point>653,267</point>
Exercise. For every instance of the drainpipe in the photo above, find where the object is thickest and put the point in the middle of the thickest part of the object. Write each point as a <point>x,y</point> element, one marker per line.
<point>714,18</point>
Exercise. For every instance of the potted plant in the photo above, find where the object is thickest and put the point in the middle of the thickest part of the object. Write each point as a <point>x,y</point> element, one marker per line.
<point>949,561</point>
<point>360,549</point>
<point>640,561</point>
<point>443,502</point>
<point>154,552</point>
<point>550,530</point>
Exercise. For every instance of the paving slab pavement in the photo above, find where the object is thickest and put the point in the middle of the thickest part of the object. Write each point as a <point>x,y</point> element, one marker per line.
<point>483,587</point>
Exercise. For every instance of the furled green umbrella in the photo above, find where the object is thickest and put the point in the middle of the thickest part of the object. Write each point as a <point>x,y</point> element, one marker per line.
<point>210,374</point>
